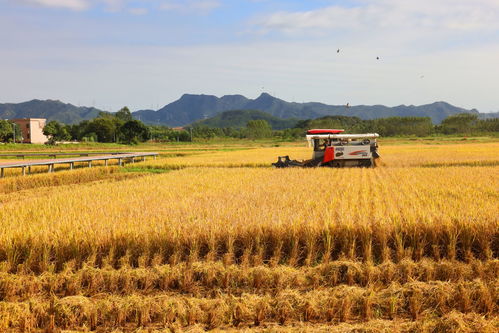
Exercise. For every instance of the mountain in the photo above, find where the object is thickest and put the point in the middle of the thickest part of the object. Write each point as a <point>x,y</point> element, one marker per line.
<point>192,108</point>
<point>49,109</point>
<point>489,115</point>
<point>239,119</point>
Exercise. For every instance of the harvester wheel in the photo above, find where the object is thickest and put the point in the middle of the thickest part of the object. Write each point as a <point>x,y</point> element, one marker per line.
<point>336,164</point>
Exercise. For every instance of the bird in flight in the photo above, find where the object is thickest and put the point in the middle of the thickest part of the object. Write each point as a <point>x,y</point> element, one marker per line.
<point>348,105</point>
<point>338,51</point>
<point>377,58</point>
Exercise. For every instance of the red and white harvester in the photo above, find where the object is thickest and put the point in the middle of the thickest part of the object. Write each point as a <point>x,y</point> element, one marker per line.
<point>333,149</point>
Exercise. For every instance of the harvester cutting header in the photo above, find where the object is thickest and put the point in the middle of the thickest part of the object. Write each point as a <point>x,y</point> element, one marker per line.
<point>333,149</point>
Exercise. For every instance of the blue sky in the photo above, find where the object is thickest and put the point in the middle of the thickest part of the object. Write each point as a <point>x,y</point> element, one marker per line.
<point>147,53</point>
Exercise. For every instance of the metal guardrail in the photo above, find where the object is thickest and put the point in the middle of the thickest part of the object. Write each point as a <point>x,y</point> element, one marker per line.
<point>71,161</point>
<point>50,154</point>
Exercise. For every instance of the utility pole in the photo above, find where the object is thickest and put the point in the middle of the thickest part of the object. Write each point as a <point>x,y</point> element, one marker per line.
<point>158,137</point>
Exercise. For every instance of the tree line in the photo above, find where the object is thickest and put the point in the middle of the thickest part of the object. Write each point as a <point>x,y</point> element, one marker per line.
<point>120,127</point>
<point>460,124</point>
<point>108,127</point>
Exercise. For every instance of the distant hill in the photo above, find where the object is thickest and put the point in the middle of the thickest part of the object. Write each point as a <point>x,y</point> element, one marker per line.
<point>49,109</point>
<point>239,119</point>
<point>192,108</point>
<point>489,115</point>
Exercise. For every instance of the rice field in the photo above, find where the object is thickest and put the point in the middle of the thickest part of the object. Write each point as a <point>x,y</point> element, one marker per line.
<point>391,156</point>
<point>221,241</point>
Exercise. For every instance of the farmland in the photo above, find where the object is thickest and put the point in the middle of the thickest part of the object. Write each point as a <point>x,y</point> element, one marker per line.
<point>219,240</point>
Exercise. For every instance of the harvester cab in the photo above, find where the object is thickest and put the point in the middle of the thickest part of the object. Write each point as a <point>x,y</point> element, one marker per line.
<point>331,148</point>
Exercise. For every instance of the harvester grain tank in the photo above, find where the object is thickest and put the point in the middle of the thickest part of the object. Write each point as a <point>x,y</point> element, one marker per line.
<point>337,150</point>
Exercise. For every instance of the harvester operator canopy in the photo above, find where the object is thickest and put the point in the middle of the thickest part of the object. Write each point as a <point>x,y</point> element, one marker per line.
<point>332,135</point>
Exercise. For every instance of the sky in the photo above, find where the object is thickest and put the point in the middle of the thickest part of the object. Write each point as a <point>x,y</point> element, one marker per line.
<point>147,53</point>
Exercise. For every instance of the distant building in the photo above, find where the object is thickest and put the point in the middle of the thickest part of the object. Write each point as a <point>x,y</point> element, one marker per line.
<point>32,129</point>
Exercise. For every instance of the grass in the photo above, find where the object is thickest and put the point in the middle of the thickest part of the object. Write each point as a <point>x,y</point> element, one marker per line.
<point>143,170</point>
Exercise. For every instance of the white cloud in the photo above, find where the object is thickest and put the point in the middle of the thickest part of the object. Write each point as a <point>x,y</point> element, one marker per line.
<point>455,15</point>
<point>170,5</point>
<point>203,6</point>
<point>76,5</point>
<point>132,7</point>
<point>138,11</point>
<point>114,5</point>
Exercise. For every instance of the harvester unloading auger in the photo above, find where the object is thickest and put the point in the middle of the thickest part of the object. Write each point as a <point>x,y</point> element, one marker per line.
<point>332,149</point>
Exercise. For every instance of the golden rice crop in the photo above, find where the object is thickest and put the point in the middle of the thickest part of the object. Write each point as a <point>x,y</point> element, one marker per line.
<point>258,157</point>
<point>391,156</point>
<point>14,184</point>
<point>411,246</point>
<point>441,155</point>
<point>292,215</point>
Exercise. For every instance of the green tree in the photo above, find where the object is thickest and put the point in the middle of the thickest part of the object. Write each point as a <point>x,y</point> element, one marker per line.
<point>109,127</point>
<point>488,125</point>
<point>124,114</point>
<point>134,131</point>
<point>104,128</point>
<point>336,122</point>
<point>204,132</point>
<point>394,126</point>
<point>164,133</point>
<point>56,131</point>
<point>462,123</point>
<point>7,130</point>
<point>258,129</point>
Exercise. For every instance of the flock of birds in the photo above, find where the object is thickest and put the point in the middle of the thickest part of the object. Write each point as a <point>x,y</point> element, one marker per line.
<point>338,51</point>
<point>377,58</point>
<point>348,104</point>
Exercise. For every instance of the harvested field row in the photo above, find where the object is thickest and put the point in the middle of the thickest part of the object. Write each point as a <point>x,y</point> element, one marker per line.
<point>201,278</point>
<point>412,301</point>
<point>453,322</point>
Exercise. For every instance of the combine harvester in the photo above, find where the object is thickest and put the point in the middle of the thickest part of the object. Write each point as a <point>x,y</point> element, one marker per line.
<point>332,149</point>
